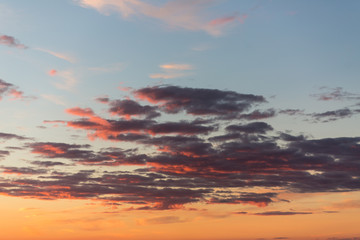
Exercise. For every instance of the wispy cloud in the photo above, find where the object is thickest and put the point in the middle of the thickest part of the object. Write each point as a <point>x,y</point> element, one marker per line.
<point>65,80</point>
<point>338,94</point>
<point>172,70</point>
<point>188,15</point>
<point>63,56</point>
<point>175,66</point>
<point>53,98</point>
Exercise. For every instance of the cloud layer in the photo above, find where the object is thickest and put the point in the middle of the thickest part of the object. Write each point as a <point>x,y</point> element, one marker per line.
<point>218,151</point>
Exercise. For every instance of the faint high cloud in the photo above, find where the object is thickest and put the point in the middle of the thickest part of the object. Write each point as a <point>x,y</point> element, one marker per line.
<point>63,56</point>
<point>188,15</point>
<point>176,66</point>
<point>55,99</point>
<point>345,204</point>
<point>66,80</point>
<point>11,42</point>
<point>173,70</point>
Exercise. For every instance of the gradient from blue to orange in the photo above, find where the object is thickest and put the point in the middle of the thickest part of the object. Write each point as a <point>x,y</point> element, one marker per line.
<point>202,119</point>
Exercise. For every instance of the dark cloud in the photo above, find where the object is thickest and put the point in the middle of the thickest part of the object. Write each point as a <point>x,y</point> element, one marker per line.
<point>199,101</point>
<point>255,127</point>
<point>103,99</point>
<point>292,112</point>
<point>257,114</point>
<point>3,154</point>
<point>22,170</point>
<point>47,163</point>
<point>11,42</point>
<point>211,159</point>
<point>182,128</point>
<point>335,94</point>
<point>257,199</point>
<point>129,108</point>
<point>280,213</point>
<point>333,115</point>
<point>8,136</point>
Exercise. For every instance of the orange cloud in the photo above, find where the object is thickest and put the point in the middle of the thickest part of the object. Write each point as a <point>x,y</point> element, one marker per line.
<point>177,66</point>
<point>172,70</point>
<point>52,72</point>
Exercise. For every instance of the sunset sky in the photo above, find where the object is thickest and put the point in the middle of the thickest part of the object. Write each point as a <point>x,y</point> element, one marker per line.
<point>179,119</point>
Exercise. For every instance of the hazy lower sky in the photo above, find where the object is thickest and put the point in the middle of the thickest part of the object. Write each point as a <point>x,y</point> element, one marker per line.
<point>179,119</point>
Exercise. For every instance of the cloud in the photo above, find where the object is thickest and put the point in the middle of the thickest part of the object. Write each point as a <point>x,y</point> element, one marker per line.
<point>8,136</point>
<point>11,42</point>
<point>177,66</point>
<point>63,56</point>
<point>222,21</point>
<point>129,108</point>
<point>3,154</point>
<point>167,75</point>
<point>255,127</point>
<point>210,154</point>
<point>22,170</point>
<point>172,70</point>
<point>257,199</point>
<point>104,99</point>
<point>53,98</point>
<point>334,115</point>
<point>281,213</point>
<point>337,94</point>
<point>52,72</point>
<point>8,89</point>
<point>177,14</point>
<point>160,220</point>
<point>346,204</point>
<point>173,99</point>
<point>66,80</point>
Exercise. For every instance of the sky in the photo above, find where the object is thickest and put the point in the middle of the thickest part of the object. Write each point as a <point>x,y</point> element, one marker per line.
<point>179,119</point>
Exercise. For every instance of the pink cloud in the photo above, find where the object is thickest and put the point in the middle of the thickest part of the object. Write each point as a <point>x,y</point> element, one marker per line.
<point>16,94</point>
<point>63,56</point>
<point>222,21</point>
<point>242,18</point>
<point>11,42</point>
<point>177,14</point>
<point>66,80</point>
<point>82,112</point>
<point>52,72</point>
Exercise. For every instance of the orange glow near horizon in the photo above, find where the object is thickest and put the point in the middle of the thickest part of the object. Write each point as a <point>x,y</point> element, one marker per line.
<point>80,219</point>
